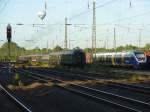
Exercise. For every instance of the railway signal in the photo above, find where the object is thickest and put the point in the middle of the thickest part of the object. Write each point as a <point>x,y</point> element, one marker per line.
<point>9,33</point>
<point>9,36</point>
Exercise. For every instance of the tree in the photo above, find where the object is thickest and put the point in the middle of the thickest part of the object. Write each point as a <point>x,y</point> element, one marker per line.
<point>120,48</point>
<point>147,46</point>
<point>44,51</point>
<point>15,50</point>
<point>57,48</point>
<point>88,50</point>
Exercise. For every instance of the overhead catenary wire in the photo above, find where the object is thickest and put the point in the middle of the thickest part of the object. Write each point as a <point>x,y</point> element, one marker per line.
<point>80,25</point>
<point>4,4</point>
<point>86,11</point>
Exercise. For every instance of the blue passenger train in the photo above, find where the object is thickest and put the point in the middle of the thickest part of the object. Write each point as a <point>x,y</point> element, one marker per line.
<point>133,58</point>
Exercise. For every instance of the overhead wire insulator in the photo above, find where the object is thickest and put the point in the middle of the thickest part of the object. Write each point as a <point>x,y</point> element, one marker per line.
<point>88,5</point>
<point>45,5</point>
<point>130,3</point>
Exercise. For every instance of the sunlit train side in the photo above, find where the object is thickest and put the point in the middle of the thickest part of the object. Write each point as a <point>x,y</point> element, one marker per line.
<point>135,59</point>
<point>74,58</point>
<point>35,59</point>
<point>24,59</point>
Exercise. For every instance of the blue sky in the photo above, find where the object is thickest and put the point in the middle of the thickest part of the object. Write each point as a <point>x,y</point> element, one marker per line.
<point>109,14</point>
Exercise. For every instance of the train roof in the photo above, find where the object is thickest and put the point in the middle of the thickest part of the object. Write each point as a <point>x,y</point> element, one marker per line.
<point>118,53</point>
<point>32,55</point>
<point>66,52</point>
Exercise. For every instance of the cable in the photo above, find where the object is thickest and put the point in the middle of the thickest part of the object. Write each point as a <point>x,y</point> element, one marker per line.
<point>3,7</point>
<point>99,6</point>
<point>138,15</point>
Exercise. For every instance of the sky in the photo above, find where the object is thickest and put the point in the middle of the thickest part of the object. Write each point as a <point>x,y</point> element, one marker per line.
<point>130,18</point>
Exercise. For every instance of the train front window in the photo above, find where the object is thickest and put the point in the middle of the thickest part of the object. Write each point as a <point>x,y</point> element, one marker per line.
<point>140,56</point>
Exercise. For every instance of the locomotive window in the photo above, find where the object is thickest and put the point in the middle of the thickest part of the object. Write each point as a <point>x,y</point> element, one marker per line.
<point>140,56</point>
<point>126,57</point>
<point>131,58</point>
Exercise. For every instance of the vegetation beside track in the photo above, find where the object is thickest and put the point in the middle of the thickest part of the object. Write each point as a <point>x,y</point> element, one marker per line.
<point>127,74</point>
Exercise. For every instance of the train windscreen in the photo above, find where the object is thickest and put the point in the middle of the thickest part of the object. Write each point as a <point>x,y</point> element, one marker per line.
<point>140,56</point>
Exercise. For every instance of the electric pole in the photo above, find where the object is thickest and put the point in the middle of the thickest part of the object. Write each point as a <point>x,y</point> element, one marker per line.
<point>47,47</point>
<point>70,44</point>
<point>140,36</point>
<point>53,44</point>
<point>66,35</point>
<point>106,40</point>
<point>114,44</point>
<point>94,29</point>
<point>87,43</point>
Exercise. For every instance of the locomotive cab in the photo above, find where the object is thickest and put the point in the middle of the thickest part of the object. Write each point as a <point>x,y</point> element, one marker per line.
<point>140,56</point>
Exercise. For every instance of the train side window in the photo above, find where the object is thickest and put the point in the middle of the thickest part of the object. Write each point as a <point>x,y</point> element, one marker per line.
<point>131,58</point>
<point>106,58</point>
<point>99,59</point>
<point>118,58</point>
<point>126,57</point>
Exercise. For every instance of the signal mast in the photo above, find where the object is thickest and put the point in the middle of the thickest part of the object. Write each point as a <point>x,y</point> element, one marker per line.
<point>9,36</point>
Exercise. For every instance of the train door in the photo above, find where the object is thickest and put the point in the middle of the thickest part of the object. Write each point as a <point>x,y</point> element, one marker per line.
<point>113,59</point>
<point>118,59</point>
<point>122,59</point>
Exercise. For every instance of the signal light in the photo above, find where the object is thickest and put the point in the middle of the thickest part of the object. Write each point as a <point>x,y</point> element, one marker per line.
<point>9,32</point>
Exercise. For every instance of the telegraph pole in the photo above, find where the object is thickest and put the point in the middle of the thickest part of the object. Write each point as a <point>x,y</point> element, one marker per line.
<point>66,35</point>
<point>94,30</point>
<point>114,44</point>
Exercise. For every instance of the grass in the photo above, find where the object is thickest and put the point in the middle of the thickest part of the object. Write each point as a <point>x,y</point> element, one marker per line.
<point>17,80</point>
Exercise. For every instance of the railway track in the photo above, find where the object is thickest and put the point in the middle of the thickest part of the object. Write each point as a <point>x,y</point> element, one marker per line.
<point>14,100</point>
<point>141,89</point>
<point>120,102</point>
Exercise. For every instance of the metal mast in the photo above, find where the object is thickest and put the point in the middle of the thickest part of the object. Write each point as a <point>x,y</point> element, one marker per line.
<point>114,46</point>
<point>94,29</point>
<point>66,35</point>
<point>140,36</point>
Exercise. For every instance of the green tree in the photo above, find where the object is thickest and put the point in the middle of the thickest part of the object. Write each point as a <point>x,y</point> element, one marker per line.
<point>147,46</point>
<point>88,50</point>
<point>57,48</point>
<point>15,51</point>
